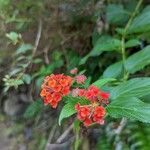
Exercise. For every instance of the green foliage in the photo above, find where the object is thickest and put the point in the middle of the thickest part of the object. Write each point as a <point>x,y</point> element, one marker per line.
<point>24,48</point>
<point>114,71</point>
<point>138,60</point>
<point>139,135</point>
<point>9,82</point>
<point>105,43</point>
<point>69,107</point>
<point>116,14</point>
<point>141,23</point>
<point>119,52</point>
<point>101,82</point>
<point>136,87</point>
<point>130,107</point>
<point>33,109</point>
<point>14,37</point>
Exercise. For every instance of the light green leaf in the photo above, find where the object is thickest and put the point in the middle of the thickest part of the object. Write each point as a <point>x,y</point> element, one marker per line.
<point>113,71</point>
<point>14,37</point>
<point>24,48</point>
<point>138,60</point>
<point>116,14</point>
<point>131,108</point>
<point>27,78</point>
<point>136,87</point>
<point>33,109</point>
<point>132,43</point>
<point>67,111</point>
<point>141,23</point>
<point>105,43</point>
<point>101,82</point>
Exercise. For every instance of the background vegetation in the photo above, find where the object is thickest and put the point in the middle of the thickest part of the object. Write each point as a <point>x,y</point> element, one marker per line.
<point>105,39</point>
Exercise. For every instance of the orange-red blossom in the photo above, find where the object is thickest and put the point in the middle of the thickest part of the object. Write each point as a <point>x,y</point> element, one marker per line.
<point>54,87</point>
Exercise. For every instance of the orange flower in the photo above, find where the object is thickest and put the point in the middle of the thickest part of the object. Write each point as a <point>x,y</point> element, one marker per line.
<point>63,82</point>
<point>52,83</point>
<point>54,87</point>
<point>57,88</point>
<point>43,92</point>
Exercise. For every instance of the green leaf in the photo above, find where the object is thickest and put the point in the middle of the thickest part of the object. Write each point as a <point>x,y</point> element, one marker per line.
<point>33,109</point>
<point>113,71</point>
<point>131,108</point>
<point>133,63</point>
<point>24,48</point>
<point>105,43</point>
<point>116,14</point>
<point>68,110</point>
<point>137,87</point>
<point>132,43</point>
<point>27,78</point>
<point>141,23</point>
<point>138,60</point>
<point>101,82</point>
<point>14,37</point>
<point>84,59</point>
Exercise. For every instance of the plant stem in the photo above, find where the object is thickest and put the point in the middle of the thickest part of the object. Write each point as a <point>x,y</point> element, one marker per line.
<point>124,36</point>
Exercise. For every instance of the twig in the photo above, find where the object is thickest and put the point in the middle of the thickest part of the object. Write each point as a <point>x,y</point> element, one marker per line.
<point>66,145</point>
<point>46,54</point>
<point>65,134</point>
<point>118,143</point>
<point>121,126</point>
<point>37,37</point>
<point>51,135</point>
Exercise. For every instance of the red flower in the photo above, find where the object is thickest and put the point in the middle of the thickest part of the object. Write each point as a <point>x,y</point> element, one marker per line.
<point>104,95</point>
<point>65,91</point>
<point>54,87</point>
<point>87,122</point>
<point>82,92</point>
<point>94,90</point>
<point>98,114</point>
<point>83,112</point>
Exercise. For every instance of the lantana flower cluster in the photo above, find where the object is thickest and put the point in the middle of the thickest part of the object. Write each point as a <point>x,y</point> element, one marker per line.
<point>94,112</point>
<point>56,86</point>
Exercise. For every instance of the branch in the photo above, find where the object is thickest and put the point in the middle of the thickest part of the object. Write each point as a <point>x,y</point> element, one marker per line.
<point>65,134</point>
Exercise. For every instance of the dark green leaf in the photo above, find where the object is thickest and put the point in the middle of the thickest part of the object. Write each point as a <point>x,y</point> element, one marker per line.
<point>33,109</point>
<point>132,43</point>
<point>136,87</point>
<point>105,43</point>
<point>141,23</point>
<point>138,60</point>
<point>114,71</point>
<point>116,14</point>
<point>131,108</point>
